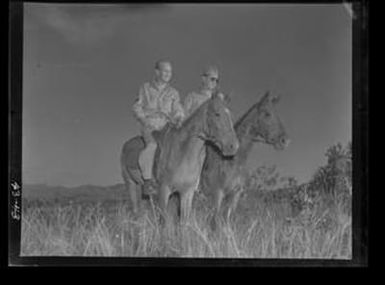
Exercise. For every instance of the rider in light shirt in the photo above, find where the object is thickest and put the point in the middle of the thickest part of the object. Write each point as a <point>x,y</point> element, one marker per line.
<point>158,103</point>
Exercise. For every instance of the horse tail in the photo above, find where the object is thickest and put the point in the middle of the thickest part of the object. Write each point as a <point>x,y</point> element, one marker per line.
<point>125,173</point>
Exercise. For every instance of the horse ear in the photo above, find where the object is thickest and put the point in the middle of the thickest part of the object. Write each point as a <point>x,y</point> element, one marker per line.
<point>266,96</point>
<point>222,96</point>
<point>275,99</point>
<point>226,98</point>
<point>272,98</point>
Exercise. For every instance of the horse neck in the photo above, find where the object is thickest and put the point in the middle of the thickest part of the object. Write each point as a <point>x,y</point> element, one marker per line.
<point>193,126</point>
<point>187,137</point>
<point>246,143</point>
<point>245,146</point>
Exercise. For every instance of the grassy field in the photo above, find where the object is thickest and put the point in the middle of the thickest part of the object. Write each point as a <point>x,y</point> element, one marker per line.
<point>266,225</point>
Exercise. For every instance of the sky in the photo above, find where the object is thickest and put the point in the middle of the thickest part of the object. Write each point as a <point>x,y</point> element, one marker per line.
<point>83,65</point>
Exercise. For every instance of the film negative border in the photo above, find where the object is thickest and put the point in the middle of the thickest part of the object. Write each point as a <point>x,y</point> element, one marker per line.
<point>360,165</point>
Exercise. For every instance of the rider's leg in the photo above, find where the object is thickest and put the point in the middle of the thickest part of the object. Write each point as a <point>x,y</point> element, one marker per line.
<point>146,161</point>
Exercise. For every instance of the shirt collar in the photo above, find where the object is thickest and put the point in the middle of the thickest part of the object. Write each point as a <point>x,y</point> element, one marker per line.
<point>155,85</point>
<point>206,92</point>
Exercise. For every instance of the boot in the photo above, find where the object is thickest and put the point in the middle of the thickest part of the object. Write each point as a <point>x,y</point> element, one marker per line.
<point>149,187</point>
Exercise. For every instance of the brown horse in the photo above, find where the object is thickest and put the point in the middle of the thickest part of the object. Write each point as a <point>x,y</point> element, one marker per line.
<point>222,177</point>
<point>180,154</point>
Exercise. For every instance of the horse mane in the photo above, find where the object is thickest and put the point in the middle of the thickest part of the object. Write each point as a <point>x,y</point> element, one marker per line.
<point>242,119</point>
<point>159,135</point>
<point>195,113</point>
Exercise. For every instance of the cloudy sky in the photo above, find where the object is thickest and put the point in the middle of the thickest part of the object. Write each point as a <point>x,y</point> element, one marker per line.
<point>83,65</point>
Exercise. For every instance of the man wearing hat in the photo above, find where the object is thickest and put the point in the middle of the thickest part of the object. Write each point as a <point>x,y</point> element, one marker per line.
<point>158,103</point>
<point>210,78</point>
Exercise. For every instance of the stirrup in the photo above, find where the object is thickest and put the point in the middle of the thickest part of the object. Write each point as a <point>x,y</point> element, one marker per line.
<point>149,187</point>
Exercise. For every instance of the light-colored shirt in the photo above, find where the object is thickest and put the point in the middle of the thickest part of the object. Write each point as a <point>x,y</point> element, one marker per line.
<point>194,100</point>
<point>154,107</point>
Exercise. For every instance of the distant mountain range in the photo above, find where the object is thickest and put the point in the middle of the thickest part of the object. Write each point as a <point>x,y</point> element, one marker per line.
<point>94,193</point>
<point>83,192</point>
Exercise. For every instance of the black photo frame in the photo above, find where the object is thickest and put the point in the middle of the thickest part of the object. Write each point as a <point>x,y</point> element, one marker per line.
<point>360,166</point>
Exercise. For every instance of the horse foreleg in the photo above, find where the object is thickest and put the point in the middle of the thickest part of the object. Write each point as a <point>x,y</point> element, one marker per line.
<point>164,195</point>
<point>186,204</point>
<point>132,191</point>
<point>232,203</point>
<point>217,202</point>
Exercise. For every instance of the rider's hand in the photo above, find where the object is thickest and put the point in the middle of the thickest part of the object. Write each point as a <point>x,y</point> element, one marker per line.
<point>178,122</point>
<point>162,115</point>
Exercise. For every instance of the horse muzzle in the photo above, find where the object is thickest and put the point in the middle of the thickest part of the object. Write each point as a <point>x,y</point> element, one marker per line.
<point>282,143</point>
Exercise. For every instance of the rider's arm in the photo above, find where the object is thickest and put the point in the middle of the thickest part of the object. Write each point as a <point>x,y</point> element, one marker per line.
<point>139,107</point>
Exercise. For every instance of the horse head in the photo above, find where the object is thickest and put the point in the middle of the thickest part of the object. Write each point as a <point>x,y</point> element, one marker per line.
<point>219,126</point>
<point>265,124</point>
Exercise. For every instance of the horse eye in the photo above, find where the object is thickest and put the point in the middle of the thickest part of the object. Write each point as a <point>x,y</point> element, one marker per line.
<point>267,114</point>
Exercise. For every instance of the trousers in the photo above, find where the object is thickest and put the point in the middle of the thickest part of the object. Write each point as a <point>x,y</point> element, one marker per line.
<point>146,157</point>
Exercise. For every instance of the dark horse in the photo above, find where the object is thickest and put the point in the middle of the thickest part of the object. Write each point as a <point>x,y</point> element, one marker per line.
<point>180,154</point>
<point>222,177</point>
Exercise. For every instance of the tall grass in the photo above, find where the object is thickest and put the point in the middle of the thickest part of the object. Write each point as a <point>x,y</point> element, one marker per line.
<point>260,228</point>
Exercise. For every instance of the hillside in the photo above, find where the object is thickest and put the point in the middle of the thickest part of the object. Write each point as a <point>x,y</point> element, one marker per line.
<point>90,193</point>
